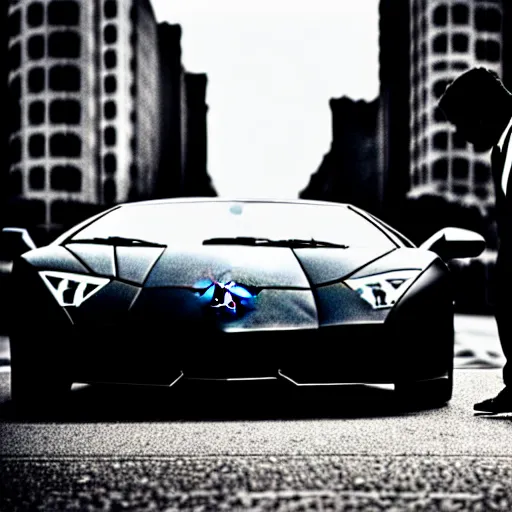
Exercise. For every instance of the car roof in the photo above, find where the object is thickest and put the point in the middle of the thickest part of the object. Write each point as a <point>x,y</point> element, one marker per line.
<point>176,200</point>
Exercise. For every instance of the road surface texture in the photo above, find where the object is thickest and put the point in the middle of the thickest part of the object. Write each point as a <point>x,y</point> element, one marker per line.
<point>254,448</point>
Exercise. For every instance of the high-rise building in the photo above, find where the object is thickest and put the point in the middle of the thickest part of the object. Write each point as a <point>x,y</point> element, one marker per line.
<point>394,112</point>
<point>348,172</point>
<point>448,37</point>
<point>85,79</point>
<point>197,181</point>
<point>170,179</point>
<point>7,105</point>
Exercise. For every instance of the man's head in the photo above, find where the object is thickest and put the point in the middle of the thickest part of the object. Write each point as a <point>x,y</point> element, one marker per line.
<point>479,106</point>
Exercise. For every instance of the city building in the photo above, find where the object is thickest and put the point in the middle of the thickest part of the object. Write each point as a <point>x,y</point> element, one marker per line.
<point>170,176</point>
<point>447,38</point>
<point>197,181</point>
<point>394,111</point>
<point>84,77</point>
<point>348,172</point>
<point>7,104</point>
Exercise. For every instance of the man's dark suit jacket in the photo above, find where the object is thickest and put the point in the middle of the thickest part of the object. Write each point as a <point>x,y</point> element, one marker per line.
<point>503,205</point>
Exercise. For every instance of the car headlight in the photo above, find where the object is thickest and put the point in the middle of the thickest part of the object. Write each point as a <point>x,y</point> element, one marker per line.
<point>383,290</point>
<point>72,289</point>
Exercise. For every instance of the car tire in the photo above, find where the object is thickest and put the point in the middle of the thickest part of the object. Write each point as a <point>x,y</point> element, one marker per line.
<point>429,393</point>
<point>38,383</point>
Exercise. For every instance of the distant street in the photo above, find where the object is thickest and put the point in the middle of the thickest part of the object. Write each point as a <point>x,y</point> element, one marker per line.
<point>256,447</point>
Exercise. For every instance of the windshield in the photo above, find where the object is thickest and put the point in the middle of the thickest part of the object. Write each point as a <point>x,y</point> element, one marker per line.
<point>193,223</point>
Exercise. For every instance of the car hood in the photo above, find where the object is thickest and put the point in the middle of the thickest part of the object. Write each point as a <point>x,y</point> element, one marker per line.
<point>235,287</point>
<point>253,266</point>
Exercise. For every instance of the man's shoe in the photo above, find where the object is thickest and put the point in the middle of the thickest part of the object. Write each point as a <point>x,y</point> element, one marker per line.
<point>501,403</point>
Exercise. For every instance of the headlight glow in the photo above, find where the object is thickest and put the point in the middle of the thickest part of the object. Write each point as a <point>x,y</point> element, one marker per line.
<point>383,290</point>
<point>72,289</point>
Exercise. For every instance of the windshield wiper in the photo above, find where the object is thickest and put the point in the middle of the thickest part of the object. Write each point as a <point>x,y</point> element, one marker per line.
<point>286,242</point>
<point>116,240</point>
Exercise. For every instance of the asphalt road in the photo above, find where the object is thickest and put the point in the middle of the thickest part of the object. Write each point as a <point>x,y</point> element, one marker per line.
<point>246,447</point>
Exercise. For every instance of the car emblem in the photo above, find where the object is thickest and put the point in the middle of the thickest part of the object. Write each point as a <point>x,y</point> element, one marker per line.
<point>227,298</point>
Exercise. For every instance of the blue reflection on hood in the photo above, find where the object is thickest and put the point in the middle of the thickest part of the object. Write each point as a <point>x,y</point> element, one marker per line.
<point>229,298</point>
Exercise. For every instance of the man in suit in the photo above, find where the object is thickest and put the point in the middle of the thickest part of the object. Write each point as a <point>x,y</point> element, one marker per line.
<point>480,107</point>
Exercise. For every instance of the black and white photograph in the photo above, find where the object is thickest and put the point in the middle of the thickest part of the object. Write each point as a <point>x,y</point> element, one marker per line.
<point>256,255</point>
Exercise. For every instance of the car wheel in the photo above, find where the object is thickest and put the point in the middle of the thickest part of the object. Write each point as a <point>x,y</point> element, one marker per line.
<point>38,383</point>
<point>434,393</point>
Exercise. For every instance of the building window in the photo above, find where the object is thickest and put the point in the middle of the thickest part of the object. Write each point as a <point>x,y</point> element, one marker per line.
<point>460,190</point>
<point>36,113</point>
<point>423,173</point>
<point>460,14</point>
<point>36,178</point>
<point>66,145</point>
<point>110,59</point>
<point>14,23</point>
<point>15,150</point>
<point>110,84</point>
<point>440,16</point>
<point>440,140</point>
<point>65,78</point>
<point>66,177</point>
<point>439,44</point>
<point>36,145</point>
<point>15,88</point>
<point>440,169</point>
<point>440,66</point>
<point>424,50</point>
<point>416,151</point>
<point>64,45</point>
<point>110,8</point>
<point>110,163</point>
<point>487,50</point>
<point>35,14</point>
<point>488,19</point>
<point>458,142</point>
<point>133,90</point>
<point>14,109</point>
<point>35,47</point>
<point>481,192</point>
<point>14,56</point>
<point>15,182</point>
<point>63,12</point>
<point>110,136</point>
<point>482,172</point>
<point>109,191</point>
<point>109,110</point>
<point>110,34</point>
<point>459,65</point>
<point>439,87</point>
<point>65,111</point>
<point>460,168</point>
<point>460,43</point>
<point>415,177</point>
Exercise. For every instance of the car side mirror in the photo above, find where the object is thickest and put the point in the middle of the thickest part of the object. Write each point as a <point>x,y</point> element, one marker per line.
<point>16,241</point>
<point>451,243</point>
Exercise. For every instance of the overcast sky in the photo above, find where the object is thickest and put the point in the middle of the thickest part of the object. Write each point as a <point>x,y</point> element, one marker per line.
<point>272,67</point>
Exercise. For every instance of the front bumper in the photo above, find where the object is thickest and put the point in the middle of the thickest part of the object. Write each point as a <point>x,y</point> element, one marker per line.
<point>343,354</point>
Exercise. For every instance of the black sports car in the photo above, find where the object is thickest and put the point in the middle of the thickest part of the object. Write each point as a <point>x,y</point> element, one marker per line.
<point>305,291</point>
